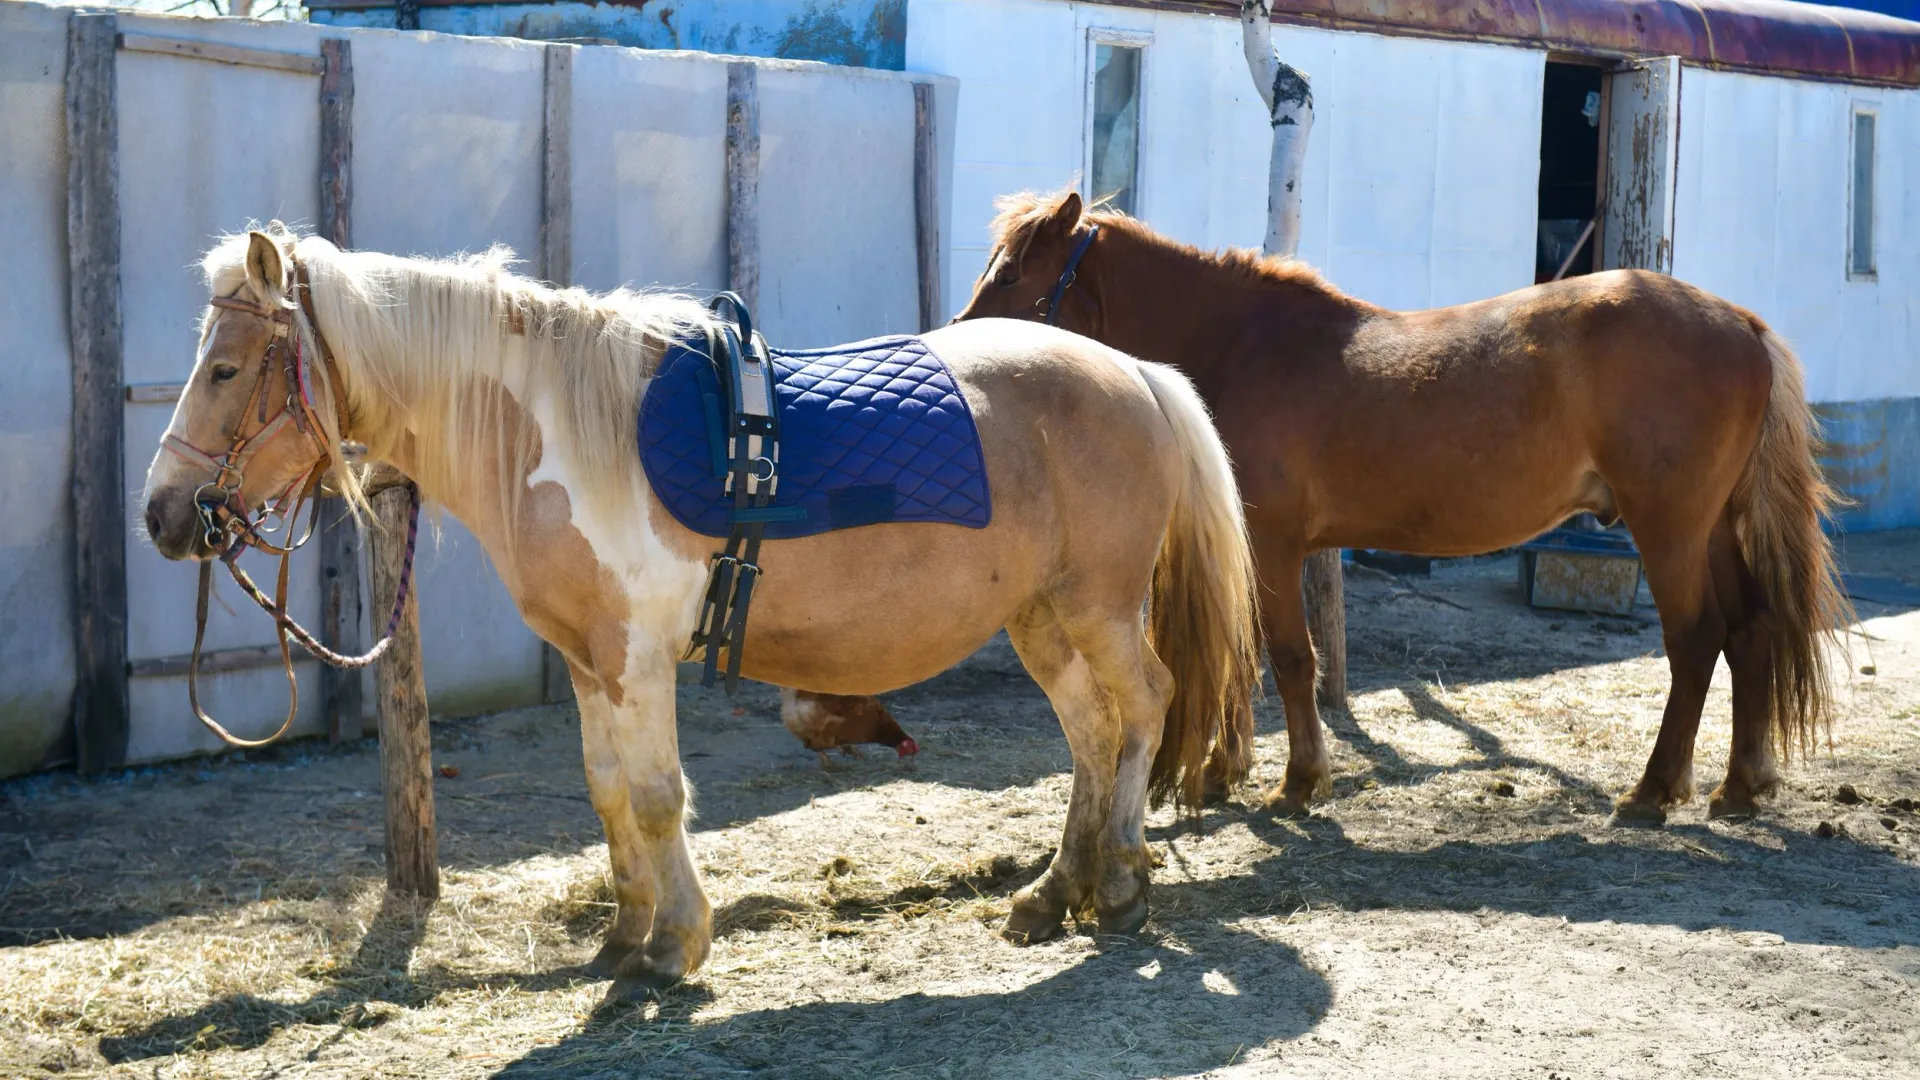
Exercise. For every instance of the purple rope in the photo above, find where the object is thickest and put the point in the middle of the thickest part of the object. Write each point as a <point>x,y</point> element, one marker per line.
<point>313,645</point>
<point>406,567</point>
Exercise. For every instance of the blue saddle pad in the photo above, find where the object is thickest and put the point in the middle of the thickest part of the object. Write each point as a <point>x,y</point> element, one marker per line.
<point>870,432</point>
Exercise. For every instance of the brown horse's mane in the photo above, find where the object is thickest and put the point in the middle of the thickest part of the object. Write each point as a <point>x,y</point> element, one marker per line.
<point>1022,212</point>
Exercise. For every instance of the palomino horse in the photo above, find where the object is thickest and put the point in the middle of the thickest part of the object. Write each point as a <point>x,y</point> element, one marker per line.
<point>1466,429</point>
<point>513,405</point>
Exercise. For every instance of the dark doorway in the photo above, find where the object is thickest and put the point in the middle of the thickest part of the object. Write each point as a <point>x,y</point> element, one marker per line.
<point>1570,131</point>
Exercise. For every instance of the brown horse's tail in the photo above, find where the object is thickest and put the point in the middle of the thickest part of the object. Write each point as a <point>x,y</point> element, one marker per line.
<point>1778,510</point>
<point>1203,601</point>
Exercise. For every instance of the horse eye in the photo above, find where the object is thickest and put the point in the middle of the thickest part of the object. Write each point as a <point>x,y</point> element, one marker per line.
<point>224,372</point>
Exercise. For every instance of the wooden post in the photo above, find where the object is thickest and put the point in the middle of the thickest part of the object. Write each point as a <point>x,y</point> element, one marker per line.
<point>1288,96</point>
<point>556,209</point>
<point>406,745</point>
<point>556,257</point>
<point>926,204</point>
<point>743,183</point>
<point>100,720</point>
<point>340,604</point>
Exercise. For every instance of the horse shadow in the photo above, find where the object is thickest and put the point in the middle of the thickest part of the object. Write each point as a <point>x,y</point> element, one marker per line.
<point>1760,879</point>
<point>1805,888</point>
<point>1159,1004</point>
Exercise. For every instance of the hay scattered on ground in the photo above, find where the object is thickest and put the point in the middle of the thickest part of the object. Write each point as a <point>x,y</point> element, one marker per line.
<point>1460,907</point>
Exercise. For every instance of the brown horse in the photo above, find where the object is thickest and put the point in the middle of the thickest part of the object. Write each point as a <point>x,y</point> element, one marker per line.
<point>1466,429</point>
<point>514,405</point>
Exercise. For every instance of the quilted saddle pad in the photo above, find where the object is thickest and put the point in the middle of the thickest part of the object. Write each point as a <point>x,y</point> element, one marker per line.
<point>870,432</point>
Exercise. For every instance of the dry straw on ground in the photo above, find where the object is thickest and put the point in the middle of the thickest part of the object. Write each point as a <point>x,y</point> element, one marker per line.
<point>1460,908</point>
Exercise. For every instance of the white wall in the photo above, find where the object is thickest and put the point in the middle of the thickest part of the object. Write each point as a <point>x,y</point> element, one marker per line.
<point>1421,174</point>
<point>447,158</point>
<point>650,197</point>
<point>1761,218</point>
<point>36,391</point>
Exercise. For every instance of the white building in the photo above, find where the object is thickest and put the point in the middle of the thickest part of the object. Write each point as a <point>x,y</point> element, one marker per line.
<point>1443,170</point>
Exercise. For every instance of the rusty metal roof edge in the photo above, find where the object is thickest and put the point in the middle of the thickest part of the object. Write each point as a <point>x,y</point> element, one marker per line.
<point>1767,37</point>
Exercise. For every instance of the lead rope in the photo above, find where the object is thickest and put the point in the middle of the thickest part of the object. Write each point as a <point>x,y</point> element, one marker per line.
<point>286,630</point>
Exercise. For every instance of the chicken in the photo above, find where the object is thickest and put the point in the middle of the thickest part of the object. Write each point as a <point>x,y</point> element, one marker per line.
<point>824,721</point>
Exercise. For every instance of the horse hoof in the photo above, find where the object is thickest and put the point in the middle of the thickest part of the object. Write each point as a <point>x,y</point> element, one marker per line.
<point>1634,814</point>
<point>641,987</point>
<point>607,962</point>
<point>1125,921</point>
<point>1283,803</point>
<point>1029,927</point>
<point>1731,807</point>
<point>643,976</point>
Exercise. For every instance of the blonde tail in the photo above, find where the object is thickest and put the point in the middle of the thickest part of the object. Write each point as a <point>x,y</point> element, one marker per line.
<point>1204,621</point>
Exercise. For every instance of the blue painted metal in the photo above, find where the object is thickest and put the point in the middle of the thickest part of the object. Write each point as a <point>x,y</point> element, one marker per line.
<point>1899,9</point>
<point>1873,456</point>
<point>854,33</point>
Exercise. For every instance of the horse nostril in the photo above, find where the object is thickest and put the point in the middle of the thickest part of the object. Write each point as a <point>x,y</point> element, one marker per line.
<point>153,522</point>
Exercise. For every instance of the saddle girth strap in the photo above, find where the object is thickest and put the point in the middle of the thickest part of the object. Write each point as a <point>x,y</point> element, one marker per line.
<point>744,369</point>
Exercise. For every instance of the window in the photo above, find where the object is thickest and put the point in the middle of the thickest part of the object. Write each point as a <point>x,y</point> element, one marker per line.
<point>1113,120</point>
<point>1860,227</point>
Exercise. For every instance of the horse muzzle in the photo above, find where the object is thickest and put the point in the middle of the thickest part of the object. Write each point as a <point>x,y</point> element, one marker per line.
<point>174,525</point>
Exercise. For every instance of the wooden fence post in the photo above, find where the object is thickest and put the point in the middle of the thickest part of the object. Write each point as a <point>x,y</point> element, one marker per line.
<point>340,606</point>
<point>100,708</point>
<point>406,744</point>
<point>926,204</point>
<point>556,257</point>
<point>743,183</point>
<point>1288,96</point>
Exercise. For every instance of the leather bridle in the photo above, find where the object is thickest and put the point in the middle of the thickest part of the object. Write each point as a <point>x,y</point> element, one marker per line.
<point>229,527</point>
<point>1048,307</point>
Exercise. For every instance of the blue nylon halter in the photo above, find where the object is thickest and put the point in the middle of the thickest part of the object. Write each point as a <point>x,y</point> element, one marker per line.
<point>1067,276</point>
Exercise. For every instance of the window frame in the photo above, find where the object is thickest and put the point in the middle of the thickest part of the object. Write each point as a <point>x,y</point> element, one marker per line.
<point>1872,272</point>
<point>1131,39</point>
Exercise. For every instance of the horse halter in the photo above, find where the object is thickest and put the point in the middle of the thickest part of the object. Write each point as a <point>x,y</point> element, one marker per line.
<point>230,528</point>
<point>1051,302</point>
<point>227,526</point>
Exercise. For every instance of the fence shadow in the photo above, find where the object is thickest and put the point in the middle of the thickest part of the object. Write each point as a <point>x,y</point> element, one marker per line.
<point>375,974</point>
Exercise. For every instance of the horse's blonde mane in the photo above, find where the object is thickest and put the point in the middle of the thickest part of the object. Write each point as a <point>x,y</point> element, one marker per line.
<point>460,354</point>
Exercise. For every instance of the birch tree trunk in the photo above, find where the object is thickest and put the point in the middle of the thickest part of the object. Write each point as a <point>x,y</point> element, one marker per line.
<point>1289,100</point>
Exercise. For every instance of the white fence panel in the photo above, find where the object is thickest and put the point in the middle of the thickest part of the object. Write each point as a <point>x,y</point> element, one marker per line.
<point>448,142</point>
<point>36,393</point>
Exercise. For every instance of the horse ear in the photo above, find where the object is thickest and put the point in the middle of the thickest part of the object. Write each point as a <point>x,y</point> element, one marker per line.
<point>266,268</point>
<point>1066,215</point>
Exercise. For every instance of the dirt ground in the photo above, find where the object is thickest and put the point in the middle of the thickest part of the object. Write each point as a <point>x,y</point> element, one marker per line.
<point>1460,907</point>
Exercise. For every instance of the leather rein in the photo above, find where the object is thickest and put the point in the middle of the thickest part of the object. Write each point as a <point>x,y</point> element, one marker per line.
<point>229,527</point>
